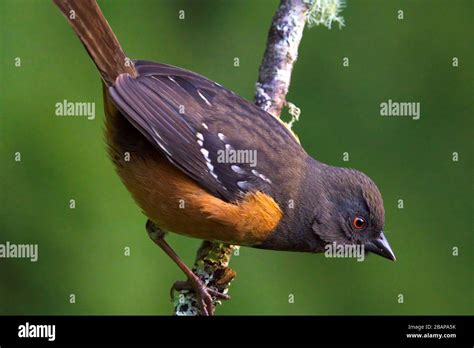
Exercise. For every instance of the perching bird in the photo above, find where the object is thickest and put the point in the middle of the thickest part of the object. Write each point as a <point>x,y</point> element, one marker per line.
<point>203,162</point>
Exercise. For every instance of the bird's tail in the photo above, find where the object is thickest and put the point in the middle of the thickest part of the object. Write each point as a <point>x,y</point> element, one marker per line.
<point>95,33</point>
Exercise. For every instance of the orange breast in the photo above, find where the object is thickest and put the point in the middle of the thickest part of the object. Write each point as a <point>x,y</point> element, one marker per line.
<point>176,203</point>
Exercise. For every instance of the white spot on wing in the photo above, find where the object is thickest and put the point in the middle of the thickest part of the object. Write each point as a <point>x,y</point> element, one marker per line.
<point>211,170</point>
<point>200,142</point>
<point>164,149</point>
<point>204,98</point>
<point>237,169</point>
<point>243,184</point>
<point>205,153</point>
<point>159,142</point>
<point>205,125</point>
<point>156,133</point>
<point>221,136</point>
<point>199,136</point>
<point>263,177</point>
<point>208,161</point>
<point>173,80</point>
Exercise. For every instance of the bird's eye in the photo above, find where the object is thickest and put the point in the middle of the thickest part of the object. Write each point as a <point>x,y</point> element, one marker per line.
<point>359,223</point>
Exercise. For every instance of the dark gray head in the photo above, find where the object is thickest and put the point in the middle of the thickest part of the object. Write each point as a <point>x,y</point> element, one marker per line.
<point>352,212</point>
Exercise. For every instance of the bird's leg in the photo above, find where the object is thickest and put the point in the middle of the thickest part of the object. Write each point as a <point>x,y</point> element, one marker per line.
<point>203,293</point>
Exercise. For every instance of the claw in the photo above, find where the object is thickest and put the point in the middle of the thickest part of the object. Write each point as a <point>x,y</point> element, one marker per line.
<point>204,294</point>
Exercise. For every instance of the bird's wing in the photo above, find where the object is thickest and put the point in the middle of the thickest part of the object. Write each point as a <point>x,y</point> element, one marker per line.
<point>222,141</point>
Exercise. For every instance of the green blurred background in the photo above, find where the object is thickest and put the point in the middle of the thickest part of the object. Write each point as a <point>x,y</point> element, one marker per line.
<point>81,251</point>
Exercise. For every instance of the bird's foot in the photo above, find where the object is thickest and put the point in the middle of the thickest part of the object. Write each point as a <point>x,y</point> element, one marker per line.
<point>204,294</point>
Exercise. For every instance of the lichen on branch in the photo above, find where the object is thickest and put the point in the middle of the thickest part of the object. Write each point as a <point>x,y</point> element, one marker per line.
<point>326,12</point>
<point>212,266</point>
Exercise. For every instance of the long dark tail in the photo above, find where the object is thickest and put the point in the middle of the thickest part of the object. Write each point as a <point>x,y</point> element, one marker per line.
<point>95,33</point>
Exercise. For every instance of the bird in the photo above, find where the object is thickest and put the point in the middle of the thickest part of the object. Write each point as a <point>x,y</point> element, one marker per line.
<point>203,162</point>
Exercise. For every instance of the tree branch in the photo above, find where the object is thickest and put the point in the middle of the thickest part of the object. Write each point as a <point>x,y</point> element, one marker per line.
<point>286,31</point>
<point>280,55</point>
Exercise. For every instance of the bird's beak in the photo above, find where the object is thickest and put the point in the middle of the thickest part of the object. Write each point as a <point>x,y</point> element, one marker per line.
<point>380,247</point>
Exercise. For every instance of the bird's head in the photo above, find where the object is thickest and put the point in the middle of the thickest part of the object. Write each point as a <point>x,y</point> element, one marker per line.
<point>352,211</point>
